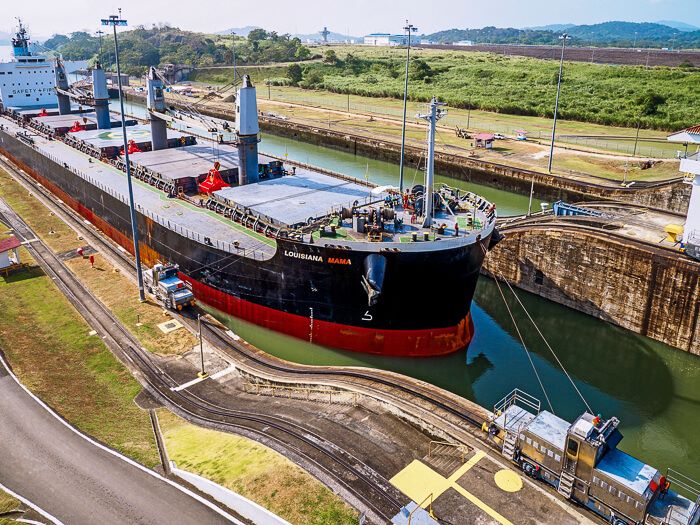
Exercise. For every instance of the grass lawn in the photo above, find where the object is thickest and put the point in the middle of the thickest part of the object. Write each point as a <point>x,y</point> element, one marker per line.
<point>7,504</point>
<point>254,471</point>
<point>50,349</point>
<point>115,290</point>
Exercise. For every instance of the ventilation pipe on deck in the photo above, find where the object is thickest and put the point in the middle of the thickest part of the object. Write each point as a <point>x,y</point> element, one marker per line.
<point>101,96</point>
<point>247,129</point>
<point>156,104</point>
<point>62,85</point>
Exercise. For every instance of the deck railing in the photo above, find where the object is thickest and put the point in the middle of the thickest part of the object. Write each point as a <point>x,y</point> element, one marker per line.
<point>222,245</point>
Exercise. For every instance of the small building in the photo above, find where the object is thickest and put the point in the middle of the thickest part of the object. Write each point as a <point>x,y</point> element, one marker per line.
<point>9,254</point>
<point>387,39</point>
<point>520,134</point>
<point>465,43</point>
<point>484,140</point>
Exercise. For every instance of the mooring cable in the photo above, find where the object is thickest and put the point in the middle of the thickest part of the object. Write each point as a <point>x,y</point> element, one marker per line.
<point>522,341</point>
<point>590,410</point>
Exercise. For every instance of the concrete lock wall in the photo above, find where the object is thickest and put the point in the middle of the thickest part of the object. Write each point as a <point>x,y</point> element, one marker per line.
<point>652,291</point>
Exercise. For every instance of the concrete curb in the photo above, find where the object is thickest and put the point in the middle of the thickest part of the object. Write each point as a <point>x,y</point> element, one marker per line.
<point>242,505</point>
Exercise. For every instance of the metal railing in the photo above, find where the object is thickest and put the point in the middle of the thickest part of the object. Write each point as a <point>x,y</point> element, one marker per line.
<point>520,398</point>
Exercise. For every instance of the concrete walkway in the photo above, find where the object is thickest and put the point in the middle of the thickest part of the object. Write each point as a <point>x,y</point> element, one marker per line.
<point>75,481</point>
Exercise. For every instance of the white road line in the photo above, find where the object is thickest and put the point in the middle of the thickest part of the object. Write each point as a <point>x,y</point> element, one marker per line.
<point>224,372</point>
<point>130,461</point>
<point>188,384</point>
<point>28,503</point>
<point>217,375</point>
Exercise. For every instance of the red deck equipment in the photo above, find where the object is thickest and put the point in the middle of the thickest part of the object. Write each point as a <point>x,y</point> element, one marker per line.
<point>213,182</point>
<point>76,127</point>
<point>132,147</point>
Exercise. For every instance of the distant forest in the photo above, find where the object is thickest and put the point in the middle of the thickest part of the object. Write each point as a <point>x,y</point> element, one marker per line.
<point>141,48</point>
<point>607,34</point>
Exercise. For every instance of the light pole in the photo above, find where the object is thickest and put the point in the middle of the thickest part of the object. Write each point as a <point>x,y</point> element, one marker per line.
<point>233,51</point>
<point>114,21</point>
<point>563,39</point>
<point>410,28</point>
<point>201,374</point>
<point>99,33</point>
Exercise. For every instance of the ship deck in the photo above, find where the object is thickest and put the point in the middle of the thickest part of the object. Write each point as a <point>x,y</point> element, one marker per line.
<point>293,199</point>
<point>189,161</point>
<point>286,201</point>
<point>188,219</point>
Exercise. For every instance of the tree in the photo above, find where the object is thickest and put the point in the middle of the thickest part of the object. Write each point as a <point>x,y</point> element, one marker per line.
<point>649,103</point>
<point>330,57</point>
<point>313,78</point>
<point>55,41</point>
<point>294,73</point>
<point>256,35</point>
<point>420,70</point>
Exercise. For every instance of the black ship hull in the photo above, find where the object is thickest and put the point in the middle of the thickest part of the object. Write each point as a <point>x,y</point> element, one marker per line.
<point>311,291</point>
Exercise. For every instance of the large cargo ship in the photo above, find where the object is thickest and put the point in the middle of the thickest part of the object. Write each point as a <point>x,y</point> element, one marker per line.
<point>322,257</point>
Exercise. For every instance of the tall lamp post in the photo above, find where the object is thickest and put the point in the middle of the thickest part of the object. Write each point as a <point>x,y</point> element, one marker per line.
<point>114,21</point>
<point>410,28</point>
<point>563,39</point>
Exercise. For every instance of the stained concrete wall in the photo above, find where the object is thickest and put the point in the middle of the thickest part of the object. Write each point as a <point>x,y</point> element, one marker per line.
<point>641,287</point>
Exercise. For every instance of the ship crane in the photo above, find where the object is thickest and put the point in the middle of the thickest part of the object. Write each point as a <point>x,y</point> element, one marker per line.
<point>84,93</point>
<point>159,114</point>
<point>244,135</point>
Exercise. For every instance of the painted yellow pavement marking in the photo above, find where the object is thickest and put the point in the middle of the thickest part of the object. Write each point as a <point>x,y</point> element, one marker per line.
<point>461,471</point>
<point>418,481</point>
<point>483,506</point>
<point>508,480</point>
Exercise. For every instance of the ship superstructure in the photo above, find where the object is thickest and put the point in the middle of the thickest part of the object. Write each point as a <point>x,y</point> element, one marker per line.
<point>28,79</point>
<point>323,257</point>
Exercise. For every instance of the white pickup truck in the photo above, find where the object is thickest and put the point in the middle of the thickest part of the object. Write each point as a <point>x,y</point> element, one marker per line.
<point>163,282</point>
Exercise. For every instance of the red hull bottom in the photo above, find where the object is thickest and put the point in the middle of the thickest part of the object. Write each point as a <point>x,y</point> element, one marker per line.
<point>398,343</point>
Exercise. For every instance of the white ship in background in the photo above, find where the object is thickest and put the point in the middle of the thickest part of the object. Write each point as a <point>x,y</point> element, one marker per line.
<point>28,79</point>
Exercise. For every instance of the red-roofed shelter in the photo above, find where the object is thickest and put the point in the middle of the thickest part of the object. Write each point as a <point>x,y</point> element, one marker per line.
<point>9,253</point>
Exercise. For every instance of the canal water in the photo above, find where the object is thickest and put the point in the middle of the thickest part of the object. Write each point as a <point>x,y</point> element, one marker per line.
<point>654,389</point>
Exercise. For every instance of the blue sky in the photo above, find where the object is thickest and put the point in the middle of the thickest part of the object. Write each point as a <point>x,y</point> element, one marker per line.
<point>359,17</point>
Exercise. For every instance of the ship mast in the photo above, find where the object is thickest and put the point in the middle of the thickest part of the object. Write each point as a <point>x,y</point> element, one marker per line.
<point>20,43</point>
<point>435,114</point>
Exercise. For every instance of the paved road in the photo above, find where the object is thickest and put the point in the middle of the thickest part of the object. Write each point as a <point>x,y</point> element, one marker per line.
<point>74,480</point>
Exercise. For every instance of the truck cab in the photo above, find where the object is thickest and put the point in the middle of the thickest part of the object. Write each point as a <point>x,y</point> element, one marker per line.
<point>163,282</point>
